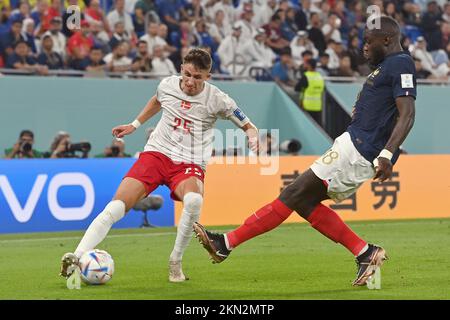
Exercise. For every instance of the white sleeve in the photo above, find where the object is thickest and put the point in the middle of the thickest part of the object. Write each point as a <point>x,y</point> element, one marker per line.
<point>160,89</point>
<point>228,109</point>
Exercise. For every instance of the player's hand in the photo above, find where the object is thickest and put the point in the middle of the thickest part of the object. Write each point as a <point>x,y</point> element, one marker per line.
<point>384,169</point>
<point>123,130</point>
<point>253,144</point>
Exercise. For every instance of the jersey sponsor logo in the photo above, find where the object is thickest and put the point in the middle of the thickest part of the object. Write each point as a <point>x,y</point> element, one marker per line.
<point>407,80</point>
<point>239,114</point>
<point>186,105</point>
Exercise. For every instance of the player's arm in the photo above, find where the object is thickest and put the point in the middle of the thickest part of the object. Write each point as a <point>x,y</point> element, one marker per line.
<point>406,109</point>
<point>152,107</point>
<point>252,135</point>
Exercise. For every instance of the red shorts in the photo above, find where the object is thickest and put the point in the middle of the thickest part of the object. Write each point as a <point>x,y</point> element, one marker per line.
<point>154,169</point>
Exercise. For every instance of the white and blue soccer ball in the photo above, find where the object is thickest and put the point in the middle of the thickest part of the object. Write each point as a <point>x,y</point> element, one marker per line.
<point>96,267</point>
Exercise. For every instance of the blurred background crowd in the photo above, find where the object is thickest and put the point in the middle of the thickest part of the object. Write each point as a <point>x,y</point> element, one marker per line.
<point>245,37</point>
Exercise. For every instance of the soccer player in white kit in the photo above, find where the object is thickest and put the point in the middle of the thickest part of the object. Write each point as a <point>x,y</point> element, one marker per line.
<point>175,155</point>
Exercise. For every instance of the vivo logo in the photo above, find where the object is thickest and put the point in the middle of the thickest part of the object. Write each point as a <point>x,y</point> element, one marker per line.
<point>24,214</point>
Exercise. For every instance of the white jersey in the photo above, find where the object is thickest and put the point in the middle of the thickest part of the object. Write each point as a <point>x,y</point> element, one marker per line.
<point>185,130</point>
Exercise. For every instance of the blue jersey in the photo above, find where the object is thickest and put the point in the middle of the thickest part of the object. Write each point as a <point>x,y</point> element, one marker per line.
<point>375,112</point>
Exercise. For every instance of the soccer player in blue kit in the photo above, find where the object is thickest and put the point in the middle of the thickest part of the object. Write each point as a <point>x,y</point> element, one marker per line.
<point>382,117</point>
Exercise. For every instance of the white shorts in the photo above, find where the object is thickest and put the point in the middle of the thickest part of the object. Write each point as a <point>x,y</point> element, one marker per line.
<point>342,168</point>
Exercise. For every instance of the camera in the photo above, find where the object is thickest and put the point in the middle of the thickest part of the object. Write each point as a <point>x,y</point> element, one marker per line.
<point>25,147</point>
<point>83,147</point>
<point>114,151</point>
<point>292,146</point>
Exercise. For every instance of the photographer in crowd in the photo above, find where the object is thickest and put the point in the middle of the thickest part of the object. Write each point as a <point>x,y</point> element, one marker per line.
<point>61,147</point>
<point>115,150</point>
<point>23,148</point>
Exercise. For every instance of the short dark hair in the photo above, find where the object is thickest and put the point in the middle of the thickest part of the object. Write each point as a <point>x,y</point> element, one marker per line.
<point>142,41</point>
<point>312,63</point>
<point>19,42</point>
<point>26,133</point>
<point>307,52</point>
<point>199,58</point>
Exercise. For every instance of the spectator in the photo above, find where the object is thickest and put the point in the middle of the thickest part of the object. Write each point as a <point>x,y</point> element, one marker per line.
<point>420,72</point>
<point>118,60</point>
<point>59,40</point>
<point>333,49</point>
<point>170,12</point>
<point>219,29</point>
<point>8,40</point>
<point>431,24</point>
<point>160,64</point>
<point>247,28</point>
<point>21,60</point>
<point>311,87</point>
<point>80,43</point>
<point>138,22</point>
<point>22,13</point>
<point>274,38</point>
<point>23,148</point>
<point>28,34</point>
<point>95,15</point>
<point>420,52</point>
<point>146,6</point>
<point>263,16</point>
<point>115,150</point>
<point>99,36</point>
<point>120,34</point>
<point>231,53</point>
<point>257,53</point>
<point>289,27</point>
<point>355,53</point>
<point>283,71</point>
<point>345,68</point>
<point>143,61</point>
<point>54,10</point>
<point>342,15</point>
<point>193,11</point>
<point>315,33</point>
<point>228,9</point>
<point>48,56</point>
<point>183,37</point>
<point>324,13</point>
<point>202,37</point>
<point>96,63</point>
<point>301,43</point>
<point>38,14</point>
<point>129,6</point>
<point>446,14</point>
<point>331,29</point>
<point>301,16</point>
<point>153,39</point>
<point>119,14</point>
<point>322,66</point>
<point>62,147</point>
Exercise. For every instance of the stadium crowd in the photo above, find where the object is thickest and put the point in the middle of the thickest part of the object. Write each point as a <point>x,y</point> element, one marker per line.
<point>152,36</point>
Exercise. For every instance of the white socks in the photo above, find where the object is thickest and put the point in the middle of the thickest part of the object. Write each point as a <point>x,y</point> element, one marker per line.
<point>191,213</point>
<point>99,228</point>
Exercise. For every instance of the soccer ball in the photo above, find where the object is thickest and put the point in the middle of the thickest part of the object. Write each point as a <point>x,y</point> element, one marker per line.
<point>96,267</point>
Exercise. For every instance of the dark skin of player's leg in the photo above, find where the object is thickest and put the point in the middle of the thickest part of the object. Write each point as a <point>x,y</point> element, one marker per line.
<point>304,194</point>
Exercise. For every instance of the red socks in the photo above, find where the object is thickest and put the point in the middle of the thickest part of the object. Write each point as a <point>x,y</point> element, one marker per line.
<point>327,222</point>
<point>323,219</point>
<point>263,220</point>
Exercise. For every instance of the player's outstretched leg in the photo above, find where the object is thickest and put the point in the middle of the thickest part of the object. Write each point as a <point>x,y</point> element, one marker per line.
<point>192,204</point>
<point>368,262</point>
<point>97,231</point>
<point>263,220</point>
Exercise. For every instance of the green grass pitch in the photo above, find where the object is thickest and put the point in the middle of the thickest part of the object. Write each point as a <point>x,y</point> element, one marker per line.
<point>291,262</point>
